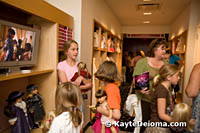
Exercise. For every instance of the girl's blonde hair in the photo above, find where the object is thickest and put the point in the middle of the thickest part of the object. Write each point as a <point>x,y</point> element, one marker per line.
<point>182,113</point>
<point>68,99</point>
<point>165,70</point>
<point>107,72</point>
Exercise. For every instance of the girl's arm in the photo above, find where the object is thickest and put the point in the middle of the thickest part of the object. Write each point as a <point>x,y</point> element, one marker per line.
<point>87,84</point>
<point>62,77</point>
<point>110,112</point>
<point>193,85</point>
<point>115,112</point>
<point>161,106</point>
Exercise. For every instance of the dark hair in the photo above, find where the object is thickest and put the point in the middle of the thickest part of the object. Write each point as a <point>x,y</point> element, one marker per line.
<point>138,53</point>
<point>28,47</point>
<point>107,72</point>
<point>31,87</point>
<point>154,45</point>
<point>68,99</point>
<point>8,111</point>
<point>10,32</point>
<point>100,93</point>
<point>19,43</point>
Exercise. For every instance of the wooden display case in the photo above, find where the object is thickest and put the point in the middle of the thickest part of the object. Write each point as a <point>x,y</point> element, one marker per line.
<point>44,74</point>
<point>178,46</point>
<point>106,46</point>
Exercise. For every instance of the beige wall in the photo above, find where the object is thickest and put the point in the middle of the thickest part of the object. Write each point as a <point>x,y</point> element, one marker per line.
<point>191,52</point>
<point>98,10</point>
<point>181,23</point>
<point>189,20</point>
<point>73,8</point>
<point>146,29</point>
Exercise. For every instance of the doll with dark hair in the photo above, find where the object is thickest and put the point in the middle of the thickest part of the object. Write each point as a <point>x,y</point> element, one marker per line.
<point>102,101</point>
<point>34,104</point>
<point>17,113</point>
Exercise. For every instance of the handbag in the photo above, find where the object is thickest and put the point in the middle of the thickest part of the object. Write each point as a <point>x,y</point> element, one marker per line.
<point>133,108</point>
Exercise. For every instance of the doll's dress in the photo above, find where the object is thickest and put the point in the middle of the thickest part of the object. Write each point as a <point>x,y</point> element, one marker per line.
<point>104,118</point>
<point>35,104</point>
<point>82,73</point>
<point>23,122</point>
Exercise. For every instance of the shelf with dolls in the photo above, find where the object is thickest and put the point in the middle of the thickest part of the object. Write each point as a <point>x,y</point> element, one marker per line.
<point>178,46</point>
<point>106,46</point>
<point>44,72</point>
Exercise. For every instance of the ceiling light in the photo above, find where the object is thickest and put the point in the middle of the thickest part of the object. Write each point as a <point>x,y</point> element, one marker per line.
<point>148,7</point>
<point>147,13</point>
<point>147,0</point>
<point>146,22</point>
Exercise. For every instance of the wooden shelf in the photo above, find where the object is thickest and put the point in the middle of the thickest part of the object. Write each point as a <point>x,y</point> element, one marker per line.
<point>181,52</point>
<point>22,75</point>
<point>100,49</point>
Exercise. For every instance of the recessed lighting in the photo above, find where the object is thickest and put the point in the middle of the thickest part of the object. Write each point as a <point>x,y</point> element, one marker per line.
<point>147,0</point>
<point>147,13</point>
<point>146,22</point>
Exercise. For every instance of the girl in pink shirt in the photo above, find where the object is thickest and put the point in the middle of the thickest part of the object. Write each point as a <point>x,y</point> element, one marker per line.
<point>68,67</point>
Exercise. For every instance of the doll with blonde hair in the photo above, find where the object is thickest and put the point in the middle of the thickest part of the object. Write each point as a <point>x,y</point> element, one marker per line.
<point>82,71</point>
<point>48,123</point>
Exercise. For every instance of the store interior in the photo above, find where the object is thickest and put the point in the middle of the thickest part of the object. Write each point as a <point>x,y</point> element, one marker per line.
<point>104,30</point>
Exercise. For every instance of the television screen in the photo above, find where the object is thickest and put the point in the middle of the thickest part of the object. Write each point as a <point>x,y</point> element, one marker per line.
<point>18,44</point>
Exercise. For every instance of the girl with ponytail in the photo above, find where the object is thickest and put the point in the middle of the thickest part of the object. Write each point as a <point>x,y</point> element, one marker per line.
<point>69,117</point>
<point>162,105</point>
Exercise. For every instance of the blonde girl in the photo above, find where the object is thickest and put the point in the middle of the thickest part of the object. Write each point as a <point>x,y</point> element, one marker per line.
<point>182,113</point>
<point>162,105</point>
<point>69,117</point>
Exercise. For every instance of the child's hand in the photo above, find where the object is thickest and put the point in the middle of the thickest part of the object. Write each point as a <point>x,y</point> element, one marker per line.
<point>91,106</point>
<point>192,122</point>
<point>12,123</point>
<point>145,91</point>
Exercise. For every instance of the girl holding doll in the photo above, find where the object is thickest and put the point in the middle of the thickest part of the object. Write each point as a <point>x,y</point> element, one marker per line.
<point>68,67</point>
<point>107,72</point>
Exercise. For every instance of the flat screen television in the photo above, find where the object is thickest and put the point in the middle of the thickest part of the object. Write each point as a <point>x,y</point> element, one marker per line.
<point>18,45</point>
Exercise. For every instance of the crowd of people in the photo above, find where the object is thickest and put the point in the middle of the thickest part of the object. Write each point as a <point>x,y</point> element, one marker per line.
<point>157,104</point>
